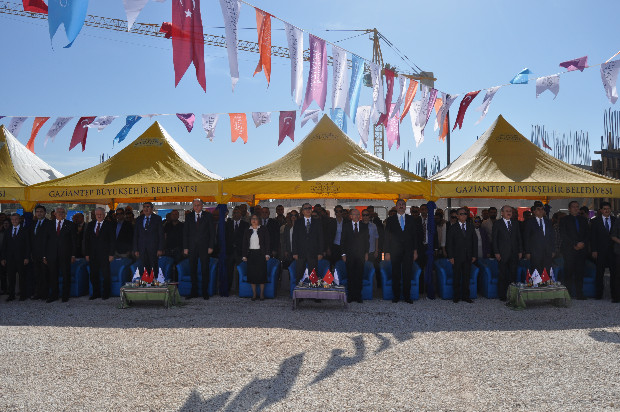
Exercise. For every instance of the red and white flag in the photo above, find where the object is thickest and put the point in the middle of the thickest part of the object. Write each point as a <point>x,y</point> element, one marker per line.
<point>463,108</point>
<point>287,125</point>
<point>80,133</point>
<point>187,40</point>
<point>35,6</point>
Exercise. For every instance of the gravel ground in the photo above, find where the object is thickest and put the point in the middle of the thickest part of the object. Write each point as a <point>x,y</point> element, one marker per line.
<point>235,355</point>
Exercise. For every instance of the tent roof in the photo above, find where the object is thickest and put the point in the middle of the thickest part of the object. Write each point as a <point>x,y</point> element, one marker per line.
<point>19,167</point>
<point>502,163</point>
<point>327,164</point>
<point>152,167</point>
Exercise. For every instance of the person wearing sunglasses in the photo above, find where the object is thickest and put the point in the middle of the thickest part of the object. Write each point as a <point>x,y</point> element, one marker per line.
<point>461,246</point>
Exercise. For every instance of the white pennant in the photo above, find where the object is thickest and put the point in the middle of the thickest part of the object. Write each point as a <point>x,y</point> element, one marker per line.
<point>16,125</point>
<point>230,11</point>
<point>427,103</point>
<point>340,80</point>
<point>403,89</point>
<point>132,9</point>
<point>378,99</point>
<point>486,102</point>
<point>418,131</point>
<point>551,83</point>
<point>295,39</point>
<point>362,118</point>
<point>56,127</point>
<point>261,118</point>
<point>447,99</point>
<point>609,75</point>
<point>310,115</point>
<point>209,121</point>
<point>101,122</point>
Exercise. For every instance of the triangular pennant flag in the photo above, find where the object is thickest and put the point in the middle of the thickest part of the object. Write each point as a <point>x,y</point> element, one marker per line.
<point>187,119</point>
<point>363,123</point>
<point>101,122</point>
<point>442,116</point>
<point>132,9</point>
<point>80,133</point>
<point>316,89</point>
<point>136,275</point>
<point>609,75</point>
<point>129,123</point>
<point>486,102</point>
<point>151,276</point>
<point>428,102</point>
<point>313,277</point>
<point>536,278</point>
<point>521,77</point>
<point>209,121</point>
<point>35,6</point>
<point>305,276</point>
<point>57,126</point>
<point>310,115</point>
<point>411,92</point>
<point>340,81</point>
<point>15,125</point>
<point>551,83</point>
<point>463,108</point>
<point>355,86</point>
<point>552,274</point>
<point>263,26</point>
<point>378,99</point>
<point>336,277</point>
<point>36,126</point>
<point>328,278</point>
<point>238,127</point>
<point>393,129</point>
<point>70,13</point>
<point>188,44</point>
<point>287,125</point>
<point>401,97</point>
<point>418,131</point>
<point>545,276</point>
<point>389,80</point>
<point>160,276</point>
<point>575,64</point>
<point>145,276</point>
<point>438,106</point>
<point>230,11</point>
<point>261,118</point>
<point>295,39</point>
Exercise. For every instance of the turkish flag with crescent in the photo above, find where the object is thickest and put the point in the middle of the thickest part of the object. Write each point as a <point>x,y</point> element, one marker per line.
<point>313,277</point>
<point>469,97</point>
<point>287,125</point>
<point>80,133</point>
<point>329,278</point>
<point>37,6</point>
<point>188,43</point>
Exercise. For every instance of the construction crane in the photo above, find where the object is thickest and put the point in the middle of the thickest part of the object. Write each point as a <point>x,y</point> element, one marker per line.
<point>153,30</point>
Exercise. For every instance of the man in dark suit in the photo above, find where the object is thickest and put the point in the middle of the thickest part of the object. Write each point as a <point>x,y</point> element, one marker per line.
<point>308,240</point>
<point>574,232</point>
<point>15,254</point>
<point>41,234</point>
<point>273,227</point>
<point>602,247</point>
<point>354,245</point>
<point>148,238</point>
<point>539,240</point>
<point>99,249</point>
<point>61,254</point>
<point>334,233</point>
<point>506,239</point>
<point>198,243</point>
<point>123,235</point>
<point>401,244</point>
<point>461,247</point>
<point>235,228</point>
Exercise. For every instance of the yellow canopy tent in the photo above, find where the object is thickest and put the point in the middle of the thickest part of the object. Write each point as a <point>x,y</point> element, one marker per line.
<point>152,167</point>
<point>504,164</point>
<point>327,164</point>
<point>19,168</point>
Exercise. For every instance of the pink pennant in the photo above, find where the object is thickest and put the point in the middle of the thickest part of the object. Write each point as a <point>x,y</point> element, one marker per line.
<point>393,128</point>
<point>317,77</point>
<point>575,64</point>
<point>389,80</point>
<point>287,125</point>
<point>188,120</point>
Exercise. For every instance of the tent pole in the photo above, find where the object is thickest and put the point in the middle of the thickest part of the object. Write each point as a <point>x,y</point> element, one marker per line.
<point>448,153</point>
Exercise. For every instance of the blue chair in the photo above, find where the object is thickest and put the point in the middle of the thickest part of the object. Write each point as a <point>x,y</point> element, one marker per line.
<point>386,281</point>
<point>79,278</point>
<point>120,273</point>
<point>488,278</point>
<point>245,289</point>
<point>589,280</point>
<point>165,263</point>
<point>321,271</point>
<point>367,280</point>
<point>558,268</point>
<point>185,278</point>
<point>443,268</point>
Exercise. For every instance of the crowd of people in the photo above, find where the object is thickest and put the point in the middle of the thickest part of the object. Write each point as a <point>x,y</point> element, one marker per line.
<point>40,251</point>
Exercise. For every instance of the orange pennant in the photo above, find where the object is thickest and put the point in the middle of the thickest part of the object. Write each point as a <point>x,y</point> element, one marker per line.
<point>445,128</point>
<point>238,127</point>
<point>411,91</point>
<point>263,26</point>
<point>36,126</point>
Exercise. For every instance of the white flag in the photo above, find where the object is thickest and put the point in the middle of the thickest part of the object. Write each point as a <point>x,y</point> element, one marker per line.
<point>429,95</point>
<point>295,39</point>
<point>230,11</point>
<point>310,115</point>
<point>160,276</point>
<point>486,102</point>
<point>132,9</point>
<point>536,279</point>
<point>16,125</point>
<point>136,276</point>
<point>56,127</point>
<point>305,275</point>
<point>378,99</point>
<point>101,122</point>
<point>209,121</point>
<point>551,83</point>
<point>340,80</point>
<point>261,118</point>
<point>362,118</point>
<point>414,113</point>
<point>403,89</point>
<point>336,278</point>
<point>609,75</point>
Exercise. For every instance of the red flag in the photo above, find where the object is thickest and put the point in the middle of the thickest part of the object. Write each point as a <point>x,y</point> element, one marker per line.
<point>545,145</point>
<point>151,276</point>
<point>80,133</point>
<point>463,108</point>
<point>166,27</point>
<point>263,26</point>
<point>36,126</point>
<point>411,91</point>
<point>545,276</point>
<point>313,277</point>
<point>35,6</point>
<point>238,127</point>
<point>188,43</point>
<point>329,278</point>
<point>389,80</point>
<point>528,277</point>
<point>145,276</point>
<point>287,125</point>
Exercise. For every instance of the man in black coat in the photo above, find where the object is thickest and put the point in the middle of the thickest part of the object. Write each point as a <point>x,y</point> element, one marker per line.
<point>401,244</point>
<point>506,239</point>
<point>574,231</point>
<point>15,255</point>
<point>235,228</point>
<point>99,250</point>
<point>539,240</point>
<point>41,235</point>
<point>602,247</point>
<point>198,243</point>
<point>461,247</point>
<point>61,254</point>
<point>354,245</point>
<point>123,234</point>
<point>308,241</point>
<point>148,239</point>
<point>273,227</point>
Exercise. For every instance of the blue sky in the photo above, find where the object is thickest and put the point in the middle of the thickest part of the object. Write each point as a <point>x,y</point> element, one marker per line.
<point>468,45</point>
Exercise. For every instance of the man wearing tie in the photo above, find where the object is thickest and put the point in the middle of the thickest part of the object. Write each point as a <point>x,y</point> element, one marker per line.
<point>99,250</point>
<point>539,240</point>
<point>198,243</point>
<point>15,254</point>
<point>354,245</point>
<point>308,241</point>
<point>148,238</point>
<point>461,247</point>
<point>41,236</point>
<point>401,244</point>
<point>506,240</point>
<point>61,254</point>
<point>602,247</point>
<point>574,232</point>
<point>235,228</point>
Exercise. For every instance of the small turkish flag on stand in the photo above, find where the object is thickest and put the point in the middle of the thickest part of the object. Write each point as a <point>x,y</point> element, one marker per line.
<point>145,276</point>
<point>313,277</point>
<point>329,278</point>
<point>528,277</point>
<point>151,276</point>
<point>545,276</point>
<point>188,44</point>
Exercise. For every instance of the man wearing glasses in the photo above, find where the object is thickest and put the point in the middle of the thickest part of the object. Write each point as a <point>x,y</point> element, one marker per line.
<point>400,247</point>
<point>307,244</point>
<point>462,246</point>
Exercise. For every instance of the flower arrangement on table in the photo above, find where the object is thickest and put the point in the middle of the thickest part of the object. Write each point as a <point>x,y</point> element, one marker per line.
<point>314,281</point>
